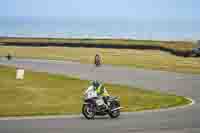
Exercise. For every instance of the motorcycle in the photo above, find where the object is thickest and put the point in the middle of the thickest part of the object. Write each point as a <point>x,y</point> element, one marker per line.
<point>97,61</point>
<point>95,106</point>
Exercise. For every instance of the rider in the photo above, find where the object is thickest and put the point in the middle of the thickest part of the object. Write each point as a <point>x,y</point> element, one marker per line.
<point>97,60</point>
<point>100,90</point>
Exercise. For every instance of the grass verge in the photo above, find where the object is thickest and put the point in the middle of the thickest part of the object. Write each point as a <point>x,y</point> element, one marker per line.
<point>146,59</point>
<point>47,94</point>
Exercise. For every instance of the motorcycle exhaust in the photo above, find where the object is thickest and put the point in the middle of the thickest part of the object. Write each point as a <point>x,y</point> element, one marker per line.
<point>116,109</point>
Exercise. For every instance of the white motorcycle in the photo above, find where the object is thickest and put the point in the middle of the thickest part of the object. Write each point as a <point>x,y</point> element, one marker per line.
<point>94,105</point>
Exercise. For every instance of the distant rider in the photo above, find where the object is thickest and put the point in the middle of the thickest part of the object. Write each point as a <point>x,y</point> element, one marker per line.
<point>97,60</point>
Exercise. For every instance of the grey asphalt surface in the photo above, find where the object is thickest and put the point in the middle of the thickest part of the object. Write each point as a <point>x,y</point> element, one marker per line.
<point>182,120</point>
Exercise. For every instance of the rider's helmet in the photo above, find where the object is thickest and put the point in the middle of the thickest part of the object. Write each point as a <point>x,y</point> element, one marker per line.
<point>95,83</point>
<point>97,55</point>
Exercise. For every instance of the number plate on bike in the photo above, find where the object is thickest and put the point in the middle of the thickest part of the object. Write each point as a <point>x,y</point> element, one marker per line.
<point>91,94</point>
<point>99,102</point>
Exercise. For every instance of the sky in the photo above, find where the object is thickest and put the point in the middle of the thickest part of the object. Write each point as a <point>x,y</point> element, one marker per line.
<point>129,9</point>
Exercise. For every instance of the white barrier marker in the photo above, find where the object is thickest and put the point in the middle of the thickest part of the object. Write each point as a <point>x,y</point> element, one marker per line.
<point>20,73</point>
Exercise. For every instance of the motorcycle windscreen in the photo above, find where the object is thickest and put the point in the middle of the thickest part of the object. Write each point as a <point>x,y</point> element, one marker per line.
<point>91,94</point>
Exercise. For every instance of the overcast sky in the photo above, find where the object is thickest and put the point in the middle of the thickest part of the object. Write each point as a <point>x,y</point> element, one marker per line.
<point>130,9</point>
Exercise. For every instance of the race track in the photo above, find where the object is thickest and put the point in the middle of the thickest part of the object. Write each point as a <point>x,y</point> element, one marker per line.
<point>181,120</point>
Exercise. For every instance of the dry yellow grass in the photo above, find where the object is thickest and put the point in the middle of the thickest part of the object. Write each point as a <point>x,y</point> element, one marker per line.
<point>47,94</point>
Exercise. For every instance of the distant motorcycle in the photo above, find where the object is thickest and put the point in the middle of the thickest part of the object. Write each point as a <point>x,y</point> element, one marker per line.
<point>94,105</point>
<point>97,60</point>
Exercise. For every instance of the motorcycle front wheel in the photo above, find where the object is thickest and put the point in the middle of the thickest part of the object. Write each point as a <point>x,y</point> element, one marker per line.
<point>116,113</point>
<point>88,112</point>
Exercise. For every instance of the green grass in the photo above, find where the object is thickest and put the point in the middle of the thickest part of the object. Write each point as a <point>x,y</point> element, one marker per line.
<point>146,59</point>
<point>175,45</point>
<point>46,94</point>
